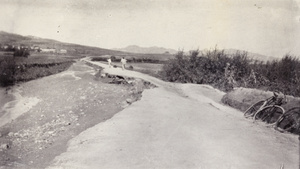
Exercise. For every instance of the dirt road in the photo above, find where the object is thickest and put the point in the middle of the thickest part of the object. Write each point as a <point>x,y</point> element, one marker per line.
<point>178,126</point>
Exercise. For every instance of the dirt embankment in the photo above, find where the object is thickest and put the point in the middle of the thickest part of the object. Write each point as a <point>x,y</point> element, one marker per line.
<point>242,98</point>
<point>178,126</point>
<point>69,103</point>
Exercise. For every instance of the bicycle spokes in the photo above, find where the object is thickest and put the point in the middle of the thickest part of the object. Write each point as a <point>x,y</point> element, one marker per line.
<point>269,115</point>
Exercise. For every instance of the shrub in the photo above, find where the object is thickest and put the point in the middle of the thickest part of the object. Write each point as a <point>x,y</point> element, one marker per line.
<point>205,68</point>
<point>130,67</point>
<point>21,53</point>
<point>210,68</point>
<point>99,59</point>
<point>7,71</point>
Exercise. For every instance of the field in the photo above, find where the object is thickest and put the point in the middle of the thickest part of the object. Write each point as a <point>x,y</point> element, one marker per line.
<point>160,57</point>
<point>5,53</point>
<point>136,58</point>
<point>16,69</point>
<point>152,69</point>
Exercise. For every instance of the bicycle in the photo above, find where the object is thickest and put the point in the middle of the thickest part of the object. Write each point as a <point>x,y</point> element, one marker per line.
<point>271,113</point>
<point>253,109</point>
<point>289,121</point>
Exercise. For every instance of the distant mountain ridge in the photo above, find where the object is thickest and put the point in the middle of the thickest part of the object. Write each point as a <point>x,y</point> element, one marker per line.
<point>160,50</point>
<point>148,50</point>
<point>15,39</point>
<point>250,55</point>
<point>10,39</point>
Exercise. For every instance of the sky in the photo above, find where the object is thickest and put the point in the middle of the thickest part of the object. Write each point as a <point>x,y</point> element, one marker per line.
<point>268,27</point>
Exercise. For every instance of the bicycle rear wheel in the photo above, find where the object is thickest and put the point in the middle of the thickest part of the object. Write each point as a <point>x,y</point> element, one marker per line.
<point>250,112</point>
<point>269,114</point>
<point>289,121</point>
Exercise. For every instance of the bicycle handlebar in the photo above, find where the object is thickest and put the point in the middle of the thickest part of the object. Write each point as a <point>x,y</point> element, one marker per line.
<point>276,99</point>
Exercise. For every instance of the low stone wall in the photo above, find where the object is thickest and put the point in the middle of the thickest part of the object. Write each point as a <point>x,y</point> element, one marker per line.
<point>242,98</point>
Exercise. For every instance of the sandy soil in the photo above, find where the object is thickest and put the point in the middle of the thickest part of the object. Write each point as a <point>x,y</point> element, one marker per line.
<point>42,115</point>
<point>179,126</point>
<point>17,106</point>
<point>5,97</point>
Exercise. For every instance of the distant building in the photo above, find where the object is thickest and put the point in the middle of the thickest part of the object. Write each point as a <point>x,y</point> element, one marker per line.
<point>62,51</point>
<point>5,46</point>
<point>23,47</point>
<point>36,48</point>
<point>48,50</point>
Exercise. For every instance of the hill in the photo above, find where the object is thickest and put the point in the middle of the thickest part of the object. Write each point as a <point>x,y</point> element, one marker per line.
<point>159,53</point>
<point>149,50</point>
<point>75,49</point>
<point>14,39</point>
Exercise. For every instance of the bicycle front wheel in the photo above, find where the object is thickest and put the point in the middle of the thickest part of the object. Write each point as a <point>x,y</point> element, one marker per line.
<point>269,114</point>
<point>289,121</point>
<point>250,112</point>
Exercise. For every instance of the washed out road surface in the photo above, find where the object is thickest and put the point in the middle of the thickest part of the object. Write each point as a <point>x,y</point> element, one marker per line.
<point>178,126</point>
<point>39,117</point>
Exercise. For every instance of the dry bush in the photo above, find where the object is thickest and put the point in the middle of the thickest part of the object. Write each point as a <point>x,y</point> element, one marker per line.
<point>210,68</point>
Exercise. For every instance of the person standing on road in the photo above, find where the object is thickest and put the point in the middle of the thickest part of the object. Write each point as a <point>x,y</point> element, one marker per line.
<point>109,62</point>
<point>123,61</point>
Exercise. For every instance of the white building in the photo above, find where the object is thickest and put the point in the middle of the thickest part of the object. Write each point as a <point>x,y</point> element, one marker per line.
<point>48,50</point>
<point>62,51</point>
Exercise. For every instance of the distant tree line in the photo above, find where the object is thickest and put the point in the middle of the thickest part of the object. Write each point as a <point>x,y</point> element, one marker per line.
<point>129,60</point>
<point>17,52</point>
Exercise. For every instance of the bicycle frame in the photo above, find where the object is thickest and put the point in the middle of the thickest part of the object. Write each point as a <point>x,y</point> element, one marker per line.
<point>273,100</point>
<point>268,102</point>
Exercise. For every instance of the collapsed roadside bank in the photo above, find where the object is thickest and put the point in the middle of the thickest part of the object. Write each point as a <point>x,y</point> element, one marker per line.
<point>242,98</point>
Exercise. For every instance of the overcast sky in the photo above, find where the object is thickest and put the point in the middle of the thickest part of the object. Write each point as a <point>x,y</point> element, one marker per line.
<point>269,27</point>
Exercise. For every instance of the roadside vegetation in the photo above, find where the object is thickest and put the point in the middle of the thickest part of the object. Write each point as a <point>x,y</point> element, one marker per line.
<point>18,69</point>
<point>225,71</point>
